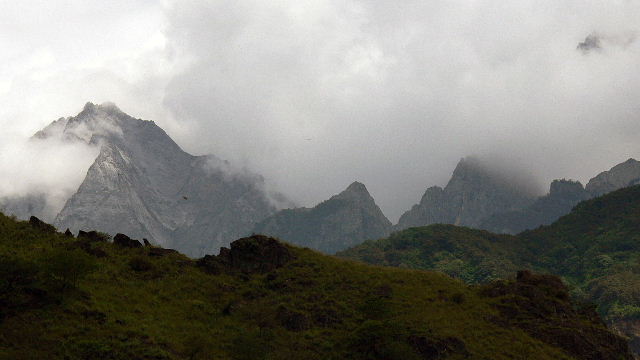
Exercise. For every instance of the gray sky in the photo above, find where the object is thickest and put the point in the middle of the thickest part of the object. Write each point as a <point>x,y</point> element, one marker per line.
<point>317,94</point>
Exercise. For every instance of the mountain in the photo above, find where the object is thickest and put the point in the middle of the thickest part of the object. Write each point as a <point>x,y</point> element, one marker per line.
<point>473,193</point>
<point>87,298</point>
<point>619,176</point>
<point>595,248</point>
<point>142,183</point>
<point>562,197</point>
<point>342,221</point>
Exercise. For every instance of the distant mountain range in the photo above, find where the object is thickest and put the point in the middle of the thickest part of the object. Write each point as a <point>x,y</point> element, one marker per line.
<point>142,183</point>
<point>479,198</point>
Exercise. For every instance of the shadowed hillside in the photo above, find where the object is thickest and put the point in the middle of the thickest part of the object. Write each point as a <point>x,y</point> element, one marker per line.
<point>88,298</point>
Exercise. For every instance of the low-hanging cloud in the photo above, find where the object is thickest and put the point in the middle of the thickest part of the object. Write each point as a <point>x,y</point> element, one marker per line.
<point>315,94</point>
<point>597,42</point>
<point>52,168</point>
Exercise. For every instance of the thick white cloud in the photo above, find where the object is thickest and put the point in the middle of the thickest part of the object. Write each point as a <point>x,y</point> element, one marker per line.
<point>316,94</point>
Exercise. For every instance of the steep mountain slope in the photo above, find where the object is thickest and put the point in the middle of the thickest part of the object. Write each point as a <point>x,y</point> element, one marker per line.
<point>595,248</point>
<point>67,298</point>
<point>344,220</point>
<point>144,184</point>
<point>562,197</point>
<point>619,176</point>
<point>473,193</point>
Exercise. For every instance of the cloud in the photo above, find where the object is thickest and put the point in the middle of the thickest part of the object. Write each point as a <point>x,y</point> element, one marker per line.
<point>315,94</point>
<point>394,95</point>
<point>49,167</point>
<point>596,42</point>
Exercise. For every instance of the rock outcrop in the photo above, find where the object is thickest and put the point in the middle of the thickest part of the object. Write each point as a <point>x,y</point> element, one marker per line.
<point>473,193</point>
<point>254,254</point>
<point>123,240</point>
<point>41,225</point>
<point>344,220</point>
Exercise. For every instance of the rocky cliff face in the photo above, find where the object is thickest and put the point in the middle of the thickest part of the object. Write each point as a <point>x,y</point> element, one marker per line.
<point>473,193</point>
<point>143,184</point>
<point>619,176</point>
<point>342,221</point>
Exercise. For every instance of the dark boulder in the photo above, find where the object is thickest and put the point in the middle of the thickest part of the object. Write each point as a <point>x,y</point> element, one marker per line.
<point>123,240</point>
<point>254,254</point>
<point>146,242</point>
<point>41,225</point>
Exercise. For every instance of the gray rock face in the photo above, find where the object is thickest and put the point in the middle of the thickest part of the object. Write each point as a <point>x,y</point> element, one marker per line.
<point>563,196</point>
<point>142,184</point>
<point>473,194</point>
<point>344,220</point>
<point>619,176</point>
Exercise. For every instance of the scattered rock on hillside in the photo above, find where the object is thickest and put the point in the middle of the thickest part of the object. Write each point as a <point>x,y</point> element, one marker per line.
<point>125,241</point>
<point>41,225</point>
<point>254,254</point>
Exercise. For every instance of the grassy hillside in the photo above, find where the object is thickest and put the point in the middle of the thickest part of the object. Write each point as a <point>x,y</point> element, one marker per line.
<point>595,248</point>
<point>68,298</point>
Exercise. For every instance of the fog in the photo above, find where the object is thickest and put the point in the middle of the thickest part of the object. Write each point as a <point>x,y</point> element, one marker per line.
<point>51,168</point>
<point>314,95</point>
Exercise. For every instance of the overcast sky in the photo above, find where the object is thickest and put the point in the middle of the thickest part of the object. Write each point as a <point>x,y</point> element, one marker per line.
<point>317,94</point>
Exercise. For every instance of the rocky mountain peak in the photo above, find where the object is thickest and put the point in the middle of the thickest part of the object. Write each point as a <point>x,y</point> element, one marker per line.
<point>344,220</point>
<point>468,168</point>
<point>144,184</point>
<point>355,191</point>
<point>357,187</point>
<point>475,191</point>
<point>619,176</point>
<point>565,187</point>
